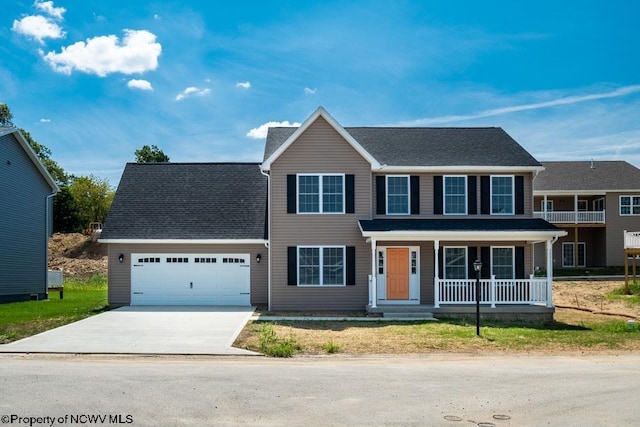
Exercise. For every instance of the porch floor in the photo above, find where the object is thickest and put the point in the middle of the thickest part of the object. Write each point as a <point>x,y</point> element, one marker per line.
<point>524,312</point>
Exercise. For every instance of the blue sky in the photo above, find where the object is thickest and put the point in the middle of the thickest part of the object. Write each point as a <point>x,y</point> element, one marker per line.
<point>95,80</point>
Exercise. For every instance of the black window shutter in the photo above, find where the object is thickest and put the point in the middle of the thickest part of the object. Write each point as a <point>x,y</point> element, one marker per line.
<point>485,258</point>
<point>381,195</point>
<point>292,256</point>
<point>291,194</point>
<point>441,263</point>
<point>519,184</point>
<point>349,188</point>
<point>472,202</point>
<point>472,255</point>
<point>351,266</point>
<point>519,262</point>
<point>414,182</point>
<point>437,195</point>
<point>485,195</point>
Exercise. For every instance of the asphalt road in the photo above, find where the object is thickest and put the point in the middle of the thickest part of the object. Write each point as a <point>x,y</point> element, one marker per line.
<point>434,390</point>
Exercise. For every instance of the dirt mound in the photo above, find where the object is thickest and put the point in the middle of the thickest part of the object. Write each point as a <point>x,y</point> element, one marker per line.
<point>77,255</point>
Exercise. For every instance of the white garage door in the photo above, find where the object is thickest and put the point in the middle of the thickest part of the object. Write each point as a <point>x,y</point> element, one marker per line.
<point>190,279</point>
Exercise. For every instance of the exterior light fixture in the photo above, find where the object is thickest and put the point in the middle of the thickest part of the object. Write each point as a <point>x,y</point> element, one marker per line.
<point>258,258</point>
<point>121,258</point>
<point>477,266</point>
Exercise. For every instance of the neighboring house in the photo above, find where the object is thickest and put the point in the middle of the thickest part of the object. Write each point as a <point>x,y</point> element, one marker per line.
<point>25,219</point>
<point>377,218</point>
<point>595,202</point>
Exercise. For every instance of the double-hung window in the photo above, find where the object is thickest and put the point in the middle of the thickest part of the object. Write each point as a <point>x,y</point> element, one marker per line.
<point>455,195</point>
<point>502,200</point>
<point>321,266</point>
<point>629,205</point>
<point>321,193</point>
<point>455,263</point>
<point>502,262</point>
<point>398,195</point>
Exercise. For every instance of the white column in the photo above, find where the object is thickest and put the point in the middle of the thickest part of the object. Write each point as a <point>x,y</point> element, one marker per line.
<point>436,284</point>
<point>492,291</point>
<point>575,208</point>
<point>549,244</point>
<point>373,296</point>
<point>544,208</point>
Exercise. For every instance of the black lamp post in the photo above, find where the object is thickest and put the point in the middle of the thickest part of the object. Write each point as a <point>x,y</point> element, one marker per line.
<point>477,266</point>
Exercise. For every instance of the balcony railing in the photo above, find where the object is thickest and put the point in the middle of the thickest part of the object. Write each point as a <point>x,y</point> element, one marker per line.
<point>631,239</point>
<point>572,217</point>
<point>493,291</point>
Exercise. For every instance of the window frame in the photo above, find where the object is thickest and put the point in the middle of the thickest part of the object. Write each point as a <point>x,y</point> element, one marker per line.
<point>630,205</point>
<point>321,249</point>
<point>321,193</point>
<point>574,254</point>
<point>466,262</point>
<point>549,203</point>
<point>513,262</point>
<point>598,203</point>
<point>387,194</point>
<point>464,195</point>
<point>513,195</point>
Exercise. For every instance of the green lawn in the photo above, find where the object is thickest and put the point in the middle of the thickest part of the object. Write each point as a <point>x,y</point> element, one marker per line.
<point>82,298</point>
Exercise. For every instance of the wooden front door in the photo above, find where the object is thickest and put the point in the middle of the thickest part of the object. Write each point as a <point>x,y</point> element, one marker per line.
<point>398,273</point>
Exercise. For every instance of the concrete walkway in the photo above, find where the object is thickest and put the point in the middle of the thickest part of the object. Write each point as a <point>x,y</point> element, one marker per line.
<point>145,330</point>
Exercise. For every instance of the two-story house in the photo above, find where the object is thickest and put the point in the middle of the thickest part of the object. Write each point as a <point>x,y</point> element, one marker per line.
<point>355,218</point>
<point>595,202</point>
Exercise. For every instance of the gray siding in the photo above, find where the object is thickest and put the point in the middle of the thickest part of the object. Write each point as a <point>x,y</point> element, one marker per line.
<point>120,274</point>
<point>426,195</point>
<point>616,224</point>
<point>319,150</point>
<point>23,226</point>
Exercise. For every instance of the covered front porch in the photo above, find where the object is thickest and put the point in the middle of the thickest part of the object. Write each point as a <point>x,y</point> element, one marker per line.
<point>427,265</point>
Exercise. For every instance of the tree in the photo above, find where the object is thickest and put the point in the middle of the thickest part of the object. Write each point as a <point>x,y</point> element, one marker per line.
<point>151,154</point>
<point>6,118</point>
<point>93,197</point>
<point>66,218</point>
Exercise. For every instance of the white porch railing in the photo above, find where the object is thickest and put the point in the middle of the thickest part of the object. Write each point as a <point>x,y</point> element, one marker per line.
<point>493,291</point>
<point>572,217</point>
<point>631,239</point>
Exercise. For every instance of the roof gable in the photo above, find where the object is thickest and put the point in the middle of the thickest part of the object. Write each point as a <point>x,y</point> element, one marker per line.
<point>32,156</point>
<point>397,148</point>
<point>276,146</point>
<point>188,201</point>
<point>583,176</point>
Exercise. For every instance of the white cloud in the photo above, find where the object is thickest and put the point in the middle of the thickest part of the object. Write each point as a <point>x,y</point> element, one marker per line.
<point>157,17</point>
<point>45,120</point>
<point>38,27</point>
<point>48,8</point>
<point>261,131</point>
<point>191,91</point>
<point>138,52</point>
<point>139,84</point>
<point>244,85</point>
<point>309,91</point>
<point>626,90</point>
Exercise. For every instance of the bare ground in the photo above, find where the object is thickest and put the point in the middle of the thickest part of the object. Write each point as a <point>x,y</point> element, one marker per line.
<point>590,296</point>
<point>77,255</point>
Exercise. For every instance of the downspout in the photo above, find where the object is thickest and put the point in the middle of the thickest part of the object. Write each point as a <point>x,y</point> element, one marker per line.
<point>48,200</point>
<point>267,242</point>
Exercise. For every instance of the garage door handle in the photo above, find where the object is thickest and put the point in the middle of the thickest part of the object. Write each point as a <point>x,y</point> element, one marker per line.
<point>244,293</point>
<point>191,285</point>
<point>138,293</point>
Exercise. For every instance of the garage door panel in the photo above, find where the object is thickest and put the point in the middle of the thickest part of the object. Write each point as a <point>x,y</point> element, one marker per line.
<point>190,279</point>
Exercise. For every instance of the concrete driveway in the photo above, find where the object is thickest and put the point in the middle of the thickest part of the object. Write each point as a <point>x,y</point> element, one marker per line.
<point>145,330</point>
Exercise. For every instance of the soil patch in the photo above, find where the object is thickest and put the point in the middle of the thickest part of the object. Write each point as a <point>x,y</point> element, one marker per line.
<point>590,296</point>
<point>77,255</point>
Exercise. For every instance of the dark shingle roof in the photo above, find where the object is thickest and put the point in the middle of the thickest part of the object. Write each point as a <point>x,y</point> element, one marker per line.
<point>468,224</point>
<point>580,176</point>
<point>395,146</point>
<point>189,201</point>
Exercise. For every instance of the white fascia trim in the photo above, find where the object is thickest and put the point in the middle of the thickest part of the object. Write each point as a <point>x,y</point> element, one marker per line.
<point>456,169</point>
<point>461,236</point>
<point>186,241</point>
<point>581,192</point>
<point>32,155</point>
<point>320,112</point>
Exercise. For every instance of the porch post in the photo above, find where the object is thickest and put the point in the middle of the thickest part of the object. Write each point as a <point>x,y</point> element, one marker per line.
<point>373,292</point>
<point>436,268</point>
<point>549,245</point>
<point>492,291</point>
<point>544,207</point>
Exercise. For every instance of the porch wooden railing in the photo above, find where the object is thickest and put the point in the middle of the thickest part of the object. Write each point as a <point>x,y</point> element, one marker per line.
<point>631,239</point>
<point>493,291</point>
<point>572,217</point>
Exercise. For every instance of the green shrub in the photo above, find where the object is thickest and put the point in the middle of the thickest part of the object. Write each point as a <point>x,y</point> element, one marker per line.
<point>274,346</point>
<point>331,347</point>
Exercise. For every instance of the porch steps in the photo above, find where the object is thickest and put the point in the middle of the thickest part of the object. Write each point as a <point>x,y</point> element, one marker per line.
<point>408,315</point>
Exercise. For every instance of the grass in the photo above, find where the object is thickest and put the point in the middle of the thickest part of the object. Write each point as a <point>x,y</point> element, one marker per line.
<point>273,345</point>
<point>620,294</point>
<point>571,331</point>
<point>82,298</point>
<point>581,271</point>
